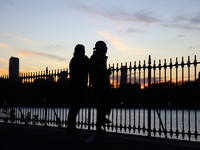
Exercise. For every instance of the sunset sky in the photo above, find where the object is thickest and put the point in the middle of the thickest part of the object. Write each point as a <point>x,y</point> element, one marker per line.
<point>43,33</point>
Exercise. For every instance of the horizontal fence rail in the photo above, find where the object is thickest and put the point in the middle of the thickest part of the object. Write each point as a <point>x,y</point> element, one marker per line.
<point>152,99</point>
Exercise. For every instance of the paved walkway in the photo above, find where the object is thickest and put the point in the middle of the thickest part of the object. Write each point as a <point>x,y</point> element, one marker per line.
<point>21,137</point>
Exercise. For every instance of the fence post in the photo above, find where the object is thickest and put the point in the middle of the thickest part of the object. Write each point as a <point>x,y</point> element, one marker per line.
<point>89,105</point>
<point>45,113</point>
<point>149,97</point>
<point>45,96</point>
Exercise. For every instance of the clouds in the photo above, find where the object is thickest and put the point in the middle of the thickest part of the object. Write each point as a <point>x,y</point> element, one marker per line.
<point>182,26</point>
<point>123,14</point>
<point>119,13</point>
<point>117,42</point>
<point>196,20</point>
<point>53,47</point>
<point>144,16</point>
<point>27,53</point>
<point>4,45</point>
<point>4,60</point>
<point>195,47</point>
<point>130,30</point>
<point>180,35</point>
<point>38,59</point>
<point>27,41</point>
<point>185,22</point>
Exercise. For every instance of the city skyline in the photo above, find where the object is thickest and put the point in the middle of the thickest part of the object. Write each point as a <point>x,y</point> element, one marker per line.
<point>44,33</point>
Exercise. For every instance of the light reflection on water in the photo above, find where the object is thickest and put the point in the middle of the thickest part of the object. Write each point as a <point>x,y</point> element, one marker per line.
<point>181,120</point>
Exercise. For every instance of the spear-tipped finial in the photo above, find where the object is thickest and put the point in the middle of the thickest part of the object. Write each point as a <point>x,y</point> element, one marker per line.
<point>46,70</point>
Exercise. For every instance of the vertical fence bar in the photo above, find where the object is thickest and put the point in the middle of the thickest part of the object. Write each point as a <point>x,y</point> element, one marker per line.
<point>113,95</point>
<point>169,90</point>
<point>183,128</point>
<point>134,126</point>
<point>154,96</point>
<point>130,104</point>
<point>120,101</point>
<point>116,126</point>
<point>177,123</point>
<point>126,103</point>
<point>144,82</point>
<point>195,78</point>
<point>45,100</point>
<point>89,104</point>
<point>189,88</point>
<point>149,88</point>
<point>139,68</point>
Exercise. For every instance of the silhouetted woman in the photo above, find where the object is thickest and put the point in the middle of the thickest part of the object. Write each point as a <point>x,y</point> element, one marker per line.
<point>79,66</point>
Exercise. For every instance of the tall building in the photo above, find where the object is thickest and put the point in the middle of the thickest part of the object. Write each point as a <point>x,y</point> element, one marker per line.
<point>123,80</point>
<point>63,76</point>
<point>198,80</point>
<point>13,67</point>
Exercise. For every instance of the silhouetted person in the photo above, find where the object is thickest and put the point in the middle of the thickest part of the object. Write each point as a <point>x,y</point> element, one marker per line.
<point>99,76</point>
<point>79,66</point>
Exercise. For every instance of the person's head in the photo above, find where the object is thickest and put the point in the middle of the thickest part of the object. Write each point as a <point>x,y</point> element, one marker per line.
<point>79,50</point>
<point>101,47</point>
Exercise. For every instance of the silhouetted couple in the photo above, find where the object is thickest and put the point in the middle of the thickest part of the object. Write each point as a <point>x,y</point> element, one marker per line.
<point>80,66</point>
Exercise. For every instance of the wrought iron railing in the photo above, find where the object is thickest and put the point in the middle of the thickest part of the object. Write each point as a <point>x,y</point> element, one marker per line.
<point>147,99</point>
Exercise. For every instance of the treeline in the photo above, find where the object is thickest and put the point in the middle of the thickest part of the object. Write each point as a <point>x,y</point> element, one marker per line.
<point>42,93</point>
<point>160,95</point>
<point>35,94</point>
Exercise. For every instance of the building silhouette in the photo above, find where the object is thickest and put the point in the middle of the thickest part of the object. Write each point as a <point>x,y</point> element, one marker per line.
<point>63,76</point>
<point>13,67</point>
<point>123,79</point>
<point>198,80</point>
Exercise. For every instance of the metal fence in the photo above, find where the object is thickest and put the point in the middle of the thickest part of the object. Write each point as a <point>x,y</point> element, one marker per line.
<point>148,99</point>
